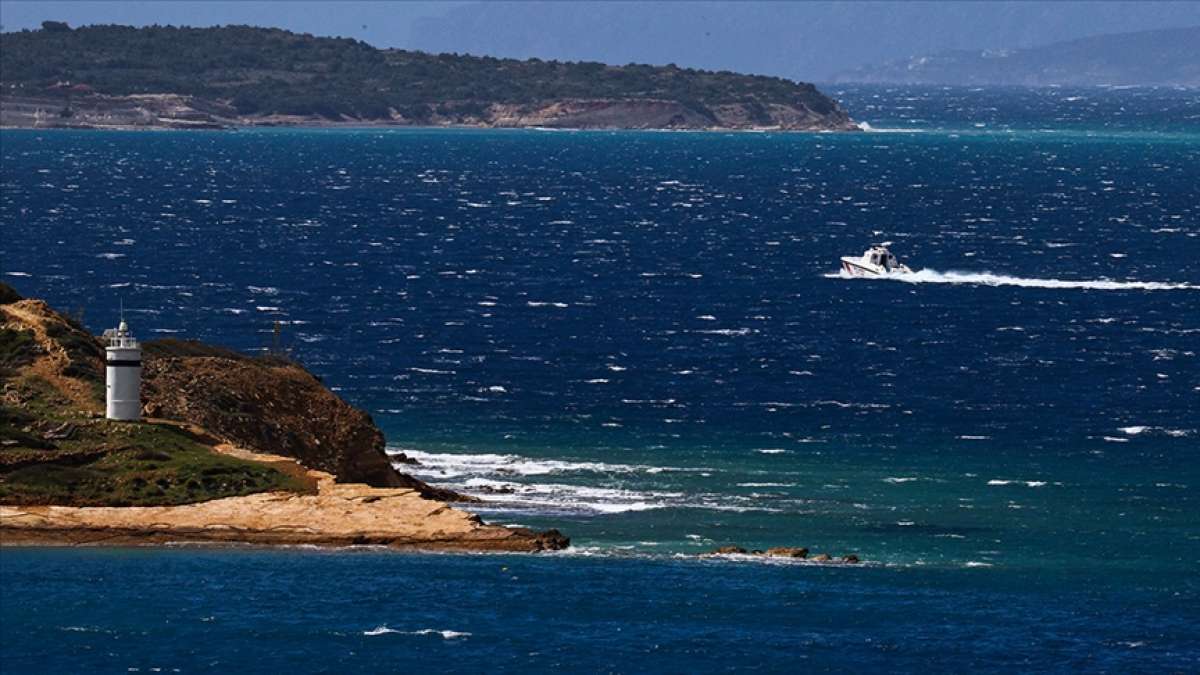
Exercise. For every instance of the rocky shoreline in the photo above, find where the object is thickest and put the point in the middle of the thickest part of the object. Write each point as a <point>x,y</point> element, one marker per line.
<point>172,111</point>
<point>338,515</point>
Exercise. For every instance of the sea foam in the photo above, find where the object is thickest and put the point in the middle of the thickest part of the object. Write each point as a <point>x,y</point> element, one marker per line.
<point>928,276</point>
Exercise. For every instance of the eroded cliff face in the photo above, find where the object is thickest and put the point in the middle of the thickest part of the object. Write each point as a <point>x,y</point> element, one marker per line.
<point>270,405</point>
<point>266,405</point>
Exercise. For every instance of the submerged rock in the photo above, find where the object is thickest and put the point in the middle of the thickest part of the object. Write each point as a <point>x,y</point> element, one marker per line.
<point>794,552</point>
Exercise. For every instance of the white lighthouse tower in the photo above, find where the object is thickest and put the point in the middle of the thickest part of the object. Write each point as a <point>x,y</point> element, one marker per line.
<point>123,374</point>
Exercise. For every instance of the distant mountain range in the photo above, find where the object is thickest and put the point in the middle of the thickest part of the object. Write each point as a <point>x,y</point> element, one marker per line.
<point>1168,57</point>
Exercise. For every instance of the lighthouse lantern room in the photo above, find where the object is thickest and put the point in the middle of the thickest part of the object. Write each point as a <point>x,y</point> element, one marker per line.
<point>123,374</point>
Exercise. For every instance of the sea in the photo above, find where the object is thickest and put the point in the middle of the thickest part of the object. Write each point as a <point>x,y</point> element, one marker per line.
<point>643,339</point>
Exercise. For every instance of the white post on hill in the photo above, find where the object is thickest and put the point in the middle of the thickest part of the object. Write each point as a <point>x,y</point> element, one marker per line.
<point>123,374</point>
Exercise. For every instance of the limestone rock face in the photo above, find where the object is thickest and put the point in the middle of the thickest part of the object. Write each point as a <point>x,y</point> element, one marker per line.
<point>338,515</point>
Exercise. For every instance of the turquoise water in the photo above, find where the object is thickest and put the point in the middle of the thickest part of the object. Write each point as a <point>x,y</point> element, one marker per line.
<point>642,339</point>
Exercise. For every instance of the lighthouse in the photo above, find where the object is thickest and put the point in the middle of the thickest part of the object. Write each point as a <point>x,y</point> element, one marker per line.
<point>123,386</point>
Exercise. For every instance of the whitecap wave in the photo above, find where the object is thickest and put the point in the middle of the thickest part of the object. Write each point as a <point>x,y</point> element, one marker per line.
<point>506,483</point>
<point>866,126</point>
<point>928,276</point>
<point>446,634</point>
<point>1026,483</point>
<point>452,465</point>
<point>1148,430</point>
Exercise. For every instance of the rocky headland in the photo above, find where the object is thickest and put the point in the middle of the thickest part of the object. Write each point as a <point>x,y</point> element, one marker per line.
<point>233,448</point>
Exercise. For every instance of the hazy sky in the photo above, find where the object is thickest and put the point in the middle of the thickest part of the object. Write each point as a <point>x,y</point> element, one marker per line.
<point>799,40</point>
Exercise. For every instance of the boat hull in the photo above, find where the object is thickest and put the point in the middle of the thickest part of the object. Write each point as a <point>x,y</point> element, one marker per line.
<point>855,267</point>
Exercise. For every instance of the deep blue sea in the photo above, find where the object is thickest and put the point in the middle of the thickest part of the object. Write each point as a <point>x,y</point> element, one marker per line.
<point>642,339</point>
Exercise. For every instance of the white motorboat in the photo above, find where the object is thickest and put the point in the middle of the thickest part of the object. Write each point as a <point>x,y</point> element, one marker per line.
<point>877,261</point>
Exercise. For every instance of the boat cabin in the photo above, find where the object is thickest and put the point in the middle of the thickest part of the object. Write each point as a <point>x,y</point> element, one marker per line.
<point>882,257</point>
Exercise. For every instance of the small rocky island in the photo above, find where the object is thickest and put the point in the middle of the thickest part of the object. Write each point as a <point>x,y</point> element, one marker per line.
<point>122,77</point>
<point>231,448</point>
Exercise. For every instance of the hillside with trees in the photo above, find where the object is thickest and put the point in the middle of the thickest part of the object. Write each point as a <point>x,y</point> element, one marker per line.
<point>240,74</point>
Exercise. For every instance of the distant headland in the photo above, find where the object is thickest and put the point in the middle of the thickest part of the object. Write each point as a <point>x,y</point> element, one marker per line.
<point>233,76</point>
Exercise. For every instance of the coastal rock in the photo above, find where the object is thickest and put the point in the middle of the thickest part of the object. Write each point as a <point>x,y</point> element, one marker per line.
<point>726,550</point>
<point>821,557</point>
<point>851,559</point>
<point>787,552</point>
<point>401,458</point>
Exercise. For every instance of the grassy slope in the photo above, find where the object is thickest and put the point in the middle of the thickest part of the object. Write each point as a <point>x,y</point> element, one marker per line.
<point>143,465</point>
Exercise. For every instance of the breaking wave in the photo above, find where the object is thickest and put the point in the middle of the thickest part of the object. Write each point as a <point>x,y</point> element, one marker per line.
<point>928,276</point>
<point>512,483</point>
<point>452,465</point>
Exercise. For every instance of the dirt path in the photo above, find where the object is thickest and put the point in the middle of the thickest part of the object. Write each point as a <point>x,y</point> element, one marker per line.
<point>50,365</point>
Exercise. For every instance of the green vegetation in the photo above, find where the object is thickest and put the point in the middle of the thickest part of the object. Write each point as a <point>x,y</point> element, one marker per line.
<point>263,71</point>
<point>122,464</point>
<point>52,453</point>
<point>85,356</point>
<point>17,348</point>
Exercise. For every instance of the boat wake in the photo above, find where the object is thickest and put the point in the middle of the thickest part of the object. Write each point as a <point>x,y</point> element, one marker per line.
<point>928,276</point>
